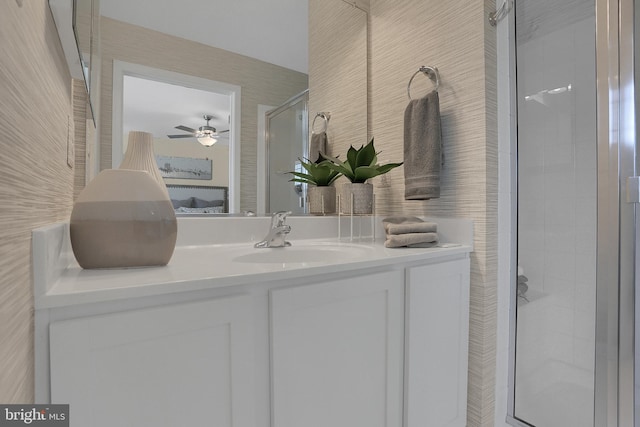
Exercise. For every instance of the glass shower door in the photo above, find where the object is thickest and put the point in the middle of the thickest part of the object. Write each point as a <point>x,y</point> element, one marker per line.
<point>574,338</point>
<point>557,213</point>
<point>287,141</point>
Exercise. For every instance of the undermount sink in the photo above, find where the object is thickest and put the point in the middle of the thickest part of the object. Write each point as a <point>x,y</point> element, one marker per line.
<point>304,254</point>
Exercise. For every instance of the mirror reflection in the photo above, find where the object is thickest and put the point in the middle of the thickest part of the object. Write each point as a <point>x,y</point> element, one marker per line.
<point>268,65</point>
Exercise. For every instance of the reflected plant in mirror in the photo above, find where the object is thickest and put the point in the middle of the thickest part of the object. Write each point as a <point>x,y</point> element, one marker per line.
<point>319,176</point>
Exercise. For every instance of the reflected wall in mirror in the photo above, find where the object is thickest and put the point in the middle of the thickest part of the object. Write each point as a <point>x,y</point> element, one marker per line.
<point>78,27</point>
<point>261,82</point>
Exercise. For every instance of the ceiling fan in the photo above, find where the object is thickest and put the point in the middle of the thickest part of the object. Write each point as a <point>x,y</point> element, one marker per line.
<point>206,135</point>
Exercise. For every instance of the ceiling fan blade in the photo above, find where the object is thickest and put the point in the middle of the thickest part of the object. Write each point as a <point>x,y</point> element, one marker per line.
<point>186,128</point>
<point>224,131</point>
<point>180,136</point>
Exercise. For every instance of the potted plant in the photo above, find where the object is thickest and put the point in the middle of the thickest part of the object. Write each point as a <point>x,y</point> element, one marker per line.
<point>360,165</point>
<point>319,177</point>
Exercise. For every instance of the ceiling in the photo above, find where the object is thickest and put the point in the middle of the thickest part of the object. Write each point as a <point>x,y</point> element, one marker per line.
<point>157,108</point>
<point>257,28</point>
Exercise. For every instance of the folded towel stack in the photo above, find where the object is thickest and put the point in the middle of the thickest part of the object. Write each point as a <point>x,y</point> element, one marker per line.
<point>409,231</point>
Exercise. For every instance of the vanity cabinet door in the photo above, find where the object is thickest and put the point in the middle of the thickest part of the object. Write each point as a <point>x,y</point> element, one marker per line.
<point>337,353</point>
<point>181,365</point>
<point>436,352</point>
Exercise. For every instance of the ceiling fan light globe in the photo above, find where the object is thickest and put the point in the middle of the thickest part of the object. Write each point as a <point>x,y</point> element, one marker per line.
<point>207,141</point>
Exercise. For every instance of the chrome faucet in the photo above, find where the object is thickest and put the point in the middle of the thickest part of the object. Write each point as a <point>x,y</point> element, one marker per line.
<point>279,230</point>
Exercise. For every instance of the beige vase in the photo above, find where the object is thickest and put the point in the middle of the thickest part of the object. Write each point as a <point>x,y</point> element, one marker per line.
<point>123,219</point>
<point>322,200</point>
<point>357,194</point>
<point>141,156</point>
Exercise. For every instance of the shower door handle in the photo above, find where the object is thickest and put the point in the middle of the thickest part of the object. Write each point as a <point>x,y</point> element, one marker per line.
<point>633,189</point>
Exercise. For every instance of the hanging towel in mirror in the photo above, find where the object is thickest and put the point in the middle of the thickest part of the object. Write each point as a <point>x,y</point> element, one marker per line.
<point>423,155</point>
<point>317,145</point>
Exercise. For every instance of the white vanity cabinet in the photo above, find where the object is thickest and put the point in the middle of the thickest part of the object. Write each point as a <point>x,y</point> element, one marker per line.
<point>182,365</point>
<point>336,352</point>
<point>324,333</point>
<point>363,349</point>
<point>436,348</point>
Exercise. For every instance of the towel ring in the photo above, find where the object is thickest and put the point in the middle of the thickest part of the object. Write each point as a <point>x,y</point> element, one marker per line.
<point>429,71</point>
<point>324,116</point>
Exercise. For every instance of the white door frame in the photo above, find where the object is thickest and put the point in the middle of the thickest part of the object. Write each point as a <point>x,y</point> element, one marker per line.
<point>121,69</point>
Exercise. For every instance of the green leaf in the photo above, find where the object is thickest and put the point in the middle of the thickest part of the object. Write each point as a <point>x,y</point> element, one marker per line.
<point>303,176</point>
<point>386,168</point>
<point>352,155</point>
<point>364,173</point>
<point>304,181</point>
<point>342,168</point>
<point>366,155</point>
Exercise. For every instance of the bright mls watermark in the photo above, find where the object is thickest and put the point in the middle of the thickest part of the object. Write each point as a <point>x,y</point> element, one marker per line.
<point>34,415</point>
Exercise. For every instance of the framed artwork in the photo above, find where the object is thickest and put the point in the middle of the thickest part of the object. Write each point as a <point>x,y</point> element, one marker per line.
<point>185,167</point>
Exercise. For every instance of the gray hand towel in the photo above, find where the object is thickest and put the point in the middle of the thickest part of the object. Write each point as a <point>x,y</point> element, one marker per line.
<point>422,148</point>
<point>407,224</point>
<point>317,145</point>
<point>410,240</point>
<point>411,227</point>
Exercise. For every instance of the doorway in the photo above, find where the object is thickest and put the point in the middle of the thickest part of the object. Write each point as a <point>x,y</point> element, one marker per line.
<point>174,99</point>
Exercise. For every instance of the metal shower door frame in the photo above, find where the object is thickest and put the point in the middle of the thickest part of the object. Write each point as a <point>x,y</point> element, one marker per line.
<point>617,231</point>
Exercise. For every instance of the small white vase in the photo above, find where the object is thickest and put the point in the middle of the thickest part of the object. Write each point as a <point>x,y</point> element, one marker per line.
<point>140,156</point>
<point>322,200</point>
<point>358,194</point>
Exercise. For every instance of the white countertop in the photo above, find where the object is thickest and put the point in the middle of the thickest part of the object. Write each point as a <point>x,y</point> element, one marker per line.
<point>60,281</point>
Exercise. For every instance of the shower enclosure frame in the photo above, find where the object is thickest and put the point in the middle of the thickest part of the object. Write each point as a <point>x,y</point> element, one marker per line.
<point>269,116</point>
<point>616,337</point>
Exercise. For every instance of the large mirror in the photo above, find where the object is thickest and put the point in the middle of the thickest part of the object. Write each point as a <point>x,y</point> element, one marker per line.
<point>78,29</point>
<point>228,61</point>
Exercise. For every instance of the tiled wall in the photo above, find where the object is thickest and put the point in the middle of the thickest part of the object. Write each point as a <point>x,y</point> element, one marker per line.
<point>37,185</point>
<point>456,37</point>
<point>261,82</point>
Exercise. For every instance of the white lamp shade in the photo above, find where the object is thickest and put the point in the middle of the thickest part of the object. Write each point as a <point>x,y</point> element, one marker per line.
<point>207,140</point>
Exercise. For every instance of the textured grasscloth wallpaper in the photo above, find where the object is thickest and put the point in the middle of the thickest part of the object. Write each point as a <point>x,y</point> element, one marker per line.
<point>338,72</point>
<point>455,37</point>
<point>261,82</point>
<point>37,185</point>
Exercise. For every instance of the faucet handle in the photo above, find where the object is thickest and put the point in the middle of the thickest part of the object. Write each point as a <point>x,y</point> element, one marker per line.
<point>278,218</point>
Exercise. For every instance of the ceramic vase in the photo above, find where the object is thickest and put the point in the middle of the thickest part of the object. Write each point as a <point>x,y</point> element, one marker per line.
<point>360,195</point>
<point>123,218</point>
<point>322,200</point>
<point>141,156</point>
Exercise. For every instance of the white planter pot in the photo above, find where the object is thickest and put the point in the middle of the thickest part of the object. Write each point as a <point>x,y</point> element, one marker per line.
<point>322,200</point>
<point>358,195</point>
